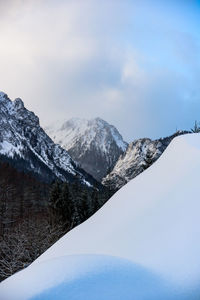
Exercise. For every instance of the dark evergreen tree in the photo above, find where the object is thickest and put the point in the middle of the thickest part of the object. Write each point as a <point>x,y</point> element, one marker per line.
<point>65,205</point>
<point>55,193</point>
<point>196,127</point>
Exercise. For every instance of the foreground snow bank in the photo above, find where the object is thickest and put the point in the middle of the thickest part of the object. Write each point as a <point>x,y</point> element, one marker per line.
<point>90,277</point>
<point>153,222</point>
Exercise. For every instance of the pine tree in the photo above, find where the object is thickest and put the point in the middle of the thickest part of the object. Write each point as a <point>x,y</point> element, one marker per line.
<point>55,193</point>
<point>65,203</point>
<point>196,128</point>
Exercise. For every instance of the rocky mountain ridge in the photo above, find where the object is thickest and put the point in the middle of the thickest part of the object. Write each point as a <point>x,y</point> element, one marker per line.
<point>102,152</point>
<point>26,145</point>
<point>139,155</point>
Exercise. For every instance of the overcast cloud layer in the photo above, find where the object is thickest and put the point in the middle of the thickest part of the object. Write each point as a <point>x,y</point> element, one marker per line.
<point>134,63</point>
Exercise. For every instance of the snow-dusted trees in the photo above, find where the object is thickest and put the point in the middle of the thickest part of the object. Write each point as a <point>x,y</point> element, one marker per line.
<point>34,215</point>
<point>19,247</point>
<point>71,204</point>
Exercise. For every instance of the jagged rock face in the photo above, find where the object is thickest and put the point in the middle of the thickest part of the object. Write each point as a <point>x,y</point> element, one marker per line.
<point>95,144</point>
<point>139,155</point>
<point>24,143</point>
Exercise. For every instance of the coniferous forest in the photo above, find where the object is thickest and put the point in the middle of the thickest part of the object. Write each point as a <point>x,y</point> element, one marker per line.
<point>34,215</point>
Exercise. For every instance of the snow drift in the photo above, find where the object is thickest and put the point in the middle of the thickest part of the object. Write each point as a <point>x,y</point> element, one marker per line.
<point>86,277</point>
<point>152,223</point>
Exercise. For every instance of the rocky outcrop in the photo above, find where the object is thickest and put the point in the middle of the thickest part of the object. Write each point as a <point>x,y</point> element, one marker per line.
<point>139,155</point>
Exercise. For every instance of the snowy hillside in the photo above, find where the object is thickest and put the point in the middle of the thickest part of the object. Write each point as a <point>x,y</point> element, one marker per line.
<point>142,244</point>
<point>94,143</point>
<point>24,143</point>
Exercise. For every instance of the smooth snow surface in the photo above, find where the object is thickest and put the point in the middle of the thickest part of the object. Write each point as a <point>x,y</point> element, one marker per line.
<point>151,225</point>
<point>86,277</point>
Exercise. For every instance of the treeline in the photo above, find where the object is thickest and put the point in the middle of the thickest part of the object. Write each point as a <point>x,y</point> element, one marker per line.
<point>24,219</point>
<point>34,215</point>
<point>72,204</point>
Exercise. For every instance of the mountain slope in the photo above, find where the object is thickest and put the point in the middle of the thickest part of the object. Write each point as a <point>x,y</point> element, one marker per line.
<point>152,222</point>
<point>94,143</point>
<point>26,146</point>
<point>139,155</point>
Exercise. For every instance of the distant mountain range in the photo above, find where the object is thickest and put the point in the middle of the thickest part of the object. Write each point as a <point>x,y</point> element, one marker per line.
<point>80,150</point>
<point>28,148</point>
<point>61,176</point>
<point>101,151</point>
<point>43,191</point>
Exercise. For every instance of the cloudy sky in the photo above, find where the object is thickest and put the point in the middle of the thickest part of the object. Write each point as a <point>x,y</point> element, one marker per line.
<point>135,63</point>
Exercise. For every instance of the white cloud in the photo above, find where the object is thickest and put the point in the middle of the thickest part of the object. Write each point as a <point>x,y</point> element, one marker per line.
<point>108,58</point>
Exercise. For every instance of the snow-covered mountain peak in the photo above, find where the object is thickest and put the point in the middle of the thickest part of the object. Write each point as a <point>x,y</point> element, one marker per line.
<point>18,104</point>
<point>5,103</point>
<point>22,113</point>
<point>4,98</point>
<point>75,128</point>
<point>17,109</point>
<point>2,95</point>
<point>22,139</point>
<point>73,123</point>
<point>94,143</point>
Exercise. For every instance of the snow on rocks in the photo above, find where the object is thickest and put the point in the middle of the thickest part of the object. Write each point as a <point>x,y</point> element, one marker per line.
<point>94,143</point>
<point>21,137</point>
